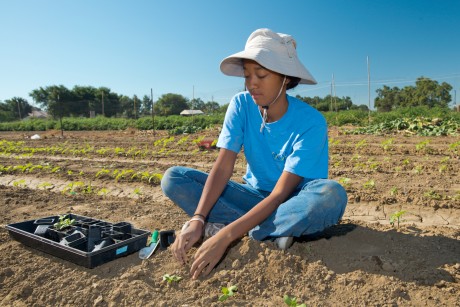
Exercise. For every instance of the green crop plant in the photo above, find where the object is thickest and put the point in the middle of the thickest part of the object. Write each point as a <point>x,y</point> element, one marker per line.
<point>64,222</point>
<point>373,165</point>
<point>137,191</point>
<point>454,146</point>
<point>102,173</point>
<point>418,169</point>
<point>34,167</point>
<point>442,168</point>
<point>355,158</point>
<point>45,185</point>
<point>122,174</point>
<point>72,187</point>
<point>333,142</point>
<point>396,217</point>
<point>55,169</point>
<point>88,189</point>
<point>19,183</point>
<point>103,192</point>
<point>292,301</point>
<point>102,151</point>
<point>227,292</point>
<point>155,178</point>
<point>361,144</point>
<point>171,278</point>
<point>432,195</point>
<point>370,184</point>
<point>394,191</point>
<point>183,140</point>
<point>166,141</point>
<point>344,181</point>
<point>423,145</point>
<point>387,144</point>
<point>119,151</point>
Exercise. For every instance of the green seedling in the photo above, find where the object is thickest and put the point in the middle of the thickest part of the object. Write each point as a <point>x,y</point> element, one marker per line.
<point>103,192</point>
<point>292,301</point>
<point>64,222</point>
<point>45,185</point>
<point>369,184</point>
<point>418,169</point>
<point>171,278</point>
<point>227,292</point>
<point>344,181</point>
<point>397,217</point>
<point>19,183</point>
<point>361,144</point>
<point>394,191</point>
<point>386,145</point>
<point>137,191</point>
<point>422,145</point>
<point>432,195</point>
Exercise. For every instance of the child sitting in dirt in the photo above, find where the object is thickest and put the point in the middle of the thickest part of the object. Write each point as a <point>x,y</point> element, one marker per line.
<point>286,193</point>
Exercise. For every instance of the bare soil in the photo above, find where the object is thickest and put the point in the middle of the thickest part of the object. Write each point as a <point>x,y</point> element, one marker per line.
<point>362,261</point>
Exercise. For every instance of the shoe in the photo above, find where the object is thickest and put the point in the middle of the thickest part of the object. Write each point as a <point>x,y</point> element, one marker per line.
<point>211,229</point>
<point>284,243</point>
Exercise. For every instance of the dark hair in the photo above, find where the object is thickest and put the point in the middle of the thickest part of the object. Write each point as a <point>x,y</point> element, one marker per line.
<point>293,82</point>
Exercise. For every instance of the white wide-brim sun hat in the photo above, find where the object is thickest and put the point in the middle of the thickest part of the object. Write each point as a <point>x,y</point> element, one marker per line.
<point>274,51</point>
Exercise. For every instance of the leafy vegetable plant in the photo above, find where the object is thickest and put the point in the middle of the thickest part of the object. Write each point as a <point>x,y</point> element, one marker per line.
<point>227,292</point>
<point>397,217</point>
<point>64,222</point>
<point>292,301</point>
<point>171,278</point>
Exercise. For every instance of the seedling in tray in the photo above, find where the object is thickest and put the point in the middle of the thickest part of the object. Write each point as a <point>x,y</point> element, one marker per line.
<point>64,222</point>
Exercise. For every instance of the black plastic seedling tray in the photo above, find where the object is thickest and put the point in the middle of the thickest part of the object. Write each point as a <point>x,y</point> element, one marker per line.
<point>88,242</point>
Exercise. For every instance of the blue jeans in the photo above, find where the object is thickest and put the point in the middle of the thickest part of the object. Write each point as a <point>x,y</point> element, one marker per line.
<point>320,203</point>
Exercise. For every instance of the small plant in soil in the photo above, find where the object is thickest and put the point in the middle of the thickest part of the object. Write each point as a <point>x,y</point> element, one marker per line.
<point>227,292</point>
<point>292,301</point>
<point>64,222</point>
<point>171,278</point>
<point>397,218</point>
<point>369,184</point>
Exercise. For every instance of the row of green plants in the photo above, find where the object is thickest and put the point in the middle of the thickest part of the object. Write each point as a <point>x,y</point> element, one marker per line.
<point>116,174</point>
<point>388,146</point>
<point>421,126</point>
<point>162,146</point>
<point>176,124</point>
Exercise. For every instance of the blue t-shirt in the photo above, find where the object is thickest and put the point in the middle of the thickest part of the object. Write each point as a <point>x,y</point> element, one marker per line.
<point>296,143</point>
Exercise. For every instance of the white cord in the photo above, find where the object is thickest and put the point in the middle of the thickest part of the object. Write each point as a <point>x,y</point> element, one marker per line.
<point>264,115</point>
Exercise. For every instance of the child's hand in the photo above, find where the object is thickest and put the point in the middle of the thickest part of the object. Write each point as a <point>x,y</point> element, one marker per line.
<point>208,255</point>
<point>185,241</point>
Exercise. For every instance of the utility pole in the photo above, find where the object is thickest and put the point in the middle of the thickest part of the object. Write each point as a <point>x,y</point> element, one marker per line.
<point>369,91</point>
<point>19,110</point>
<point>60,117</point>
<point>135,110</point>
<point>103,103</point>
<point>153,116</point>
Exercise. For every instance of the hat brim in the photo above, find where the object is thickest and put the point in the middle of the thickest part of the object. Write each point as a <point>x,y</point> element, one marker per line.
<point>292,67</point>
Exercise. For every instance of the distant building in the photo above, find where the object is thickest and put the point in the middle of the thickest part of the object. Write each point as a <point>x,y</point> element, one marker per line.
<point>191,112</point>
<point>37,114</point>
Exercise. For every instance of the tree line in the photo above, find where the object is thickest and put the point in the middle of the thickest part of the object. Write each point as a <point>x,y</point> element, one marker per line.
<point>81,101</point>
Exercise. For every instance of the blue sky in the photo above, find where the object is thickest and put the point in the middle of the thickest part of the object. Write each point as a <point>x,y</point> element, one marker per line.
<point>176,46</point>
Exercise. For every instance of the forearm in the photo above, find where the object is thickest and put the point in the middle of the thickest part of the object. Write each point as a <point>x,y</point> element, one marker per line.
<point>217,180</point>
